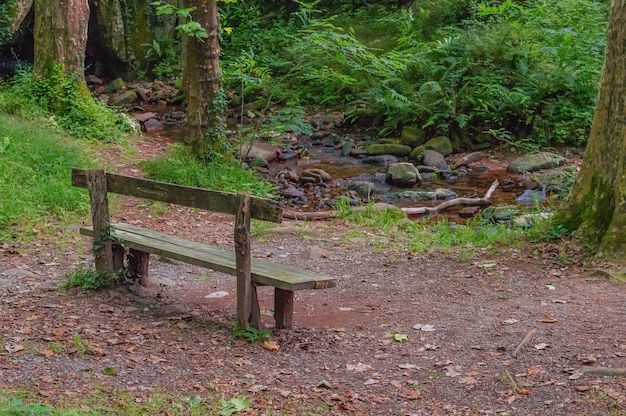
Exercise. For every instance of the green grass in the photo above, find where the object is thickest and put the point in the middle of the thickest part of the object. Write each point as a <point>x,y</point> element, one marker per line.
<point>181,168</point>
<point>35,183</point>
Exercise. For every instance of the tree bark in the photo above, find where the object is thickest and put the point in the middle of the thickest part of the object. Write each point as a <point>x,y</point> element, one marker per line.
<point>597,205</point>
<point>60,35</point>
<point>201,82</point>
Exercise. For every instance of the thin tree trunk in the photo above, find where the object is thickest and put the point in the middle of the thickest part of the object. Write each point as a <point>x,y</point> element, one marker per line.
<point>597,205</point>
<point>201,80</point>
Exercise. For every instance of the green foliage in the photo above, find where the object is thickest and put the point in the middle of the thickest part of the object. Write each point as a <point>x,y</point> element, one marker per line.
<point>180,167</point>
<point>35,183</point>
<point>251,334</point>
<point>88,279</point>
<point>65,102</point>
<point>526,70</point>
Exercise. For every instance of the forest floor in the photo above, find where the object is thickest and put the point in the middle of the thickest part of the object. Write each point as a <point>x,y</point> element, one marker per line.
<point>401,334</point>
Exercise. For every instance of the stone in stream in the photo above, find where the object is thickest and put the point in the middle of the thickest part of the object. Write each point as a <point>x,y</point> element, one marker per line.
<point>124,98</point>
<point>440,144</point>
<point>260,149</point>
<point>437,194</point>
<point>412,136</point>
<point>388,149</point>
<point>535,161</point>
<point>436,159</point>
<point>363,189</point>
<point>467,159</point>
<point>403,174</point>
<point>381,160</point>
<point>314,176</point>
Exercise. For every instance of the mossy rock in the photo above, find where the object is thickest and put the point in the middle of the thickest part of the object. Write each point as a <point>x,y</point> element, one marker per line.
<point>417,154</point>
<point>413,136</point>
<point>440,144</point>
<point>388,149</point>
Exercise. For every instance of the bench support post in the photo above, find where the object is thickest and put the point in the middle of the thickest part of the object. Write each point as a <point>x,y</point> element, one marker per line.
<point>248,311</point>
<point>283,308</point>
<point>102,244</point>
<point>138,262</point>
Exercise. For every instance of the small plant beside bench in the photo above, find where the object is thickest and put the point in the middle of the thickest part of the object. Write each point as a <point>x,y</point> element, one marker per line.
<point>119,246</point>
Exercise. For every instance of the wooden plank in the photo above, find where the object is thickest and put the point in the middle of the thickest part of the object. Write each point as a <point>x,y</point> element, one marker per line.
<point>102,245</point>
<point>260,208</point>
<point>263,272</point>
<point>242,260</point>
<point>138,264</point>
<point>283,308</point>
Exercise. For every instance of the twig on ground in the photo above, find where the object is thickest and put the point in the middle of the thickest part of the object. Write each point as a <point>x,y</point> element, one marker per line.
<point>524,342</point>
<point>603,371</point>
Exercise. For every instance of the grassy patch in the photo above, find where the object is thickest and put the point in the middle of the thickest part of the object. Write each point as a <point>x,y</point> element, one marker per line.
<point>178,166</point>
<point>35,183</point>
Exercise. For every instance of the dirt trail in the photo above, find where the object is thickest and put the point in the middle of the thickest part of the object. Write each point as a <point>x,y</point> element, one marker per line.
<point>405,334</point>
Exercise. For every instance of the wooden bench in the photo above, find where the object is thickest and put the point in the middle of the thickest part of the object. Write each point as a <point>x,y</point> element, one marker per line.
<point>124,247</point>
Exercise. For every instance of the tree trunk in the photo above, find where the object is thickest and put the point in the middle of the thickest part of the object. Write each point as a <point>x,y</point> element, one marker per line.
<point>60,35</point>
<point>201,82</point>
<point>597,205</point>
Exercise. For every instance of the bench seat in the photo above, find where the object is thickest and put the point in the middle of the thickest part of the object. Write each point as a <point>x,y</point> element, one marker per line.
<point>263,272</point>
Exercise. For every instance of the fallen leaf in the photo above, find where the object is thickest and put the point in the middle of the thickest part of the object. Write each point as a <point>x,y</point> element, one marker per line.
<point>12,348</point>
<point>371,381</point>
<point>396,383</point>
<point>550,287</point>
<point>324,384</point>
<point>412,394</point>
<point>510,321</point>
<point>548,319</point>
<point>486,265</point>
<point>424,327</point>
<point>534,370</point>
<point>400,337</point>
<point>525,392</point>
<point>270,345</point>
<point>468,380</point>
<point>360,367</point>
<point>452,373</point>
<point>407,366</point>
<point>109,371</point>
<point>155,360</point>
<point>345,309</point>
<point>582,389</point>
<point>541,346</point>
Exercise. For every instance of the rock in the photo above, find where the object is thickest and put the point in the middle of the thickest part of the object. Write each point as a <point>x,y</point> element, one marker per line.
<point>93,80</point>
<point>500,213</point>
<point>18,273</point>
<point>314,176</point>
<point>124,98</point>
<point>403,174</point>
<point>363,189</point>
<point>292,192</point>
<point>468,212</point>
<point>255,105</point>
<point>437,194</point>
<point>358,152</point>
<point>436,159</point>
<point>143,117</point>
<point>288,155</point>
<point>532,196</point>
<point>314,252</point>
<point>535,161</point>
<point>259,162</point>
<point>381,160</point>
<point>388,149</point>
<point>115,85</point>
<point>152,126</point>
<point>417,154</point>
<point>412,136</point>
<point>440,144</point>
<point>346,149</point>
<point>260,149</point>
<point>467,160</point>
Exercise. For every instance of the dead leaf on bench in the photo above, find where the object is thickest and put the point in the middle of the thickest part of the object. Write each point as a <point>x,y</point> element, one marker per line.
<point>270,345</point>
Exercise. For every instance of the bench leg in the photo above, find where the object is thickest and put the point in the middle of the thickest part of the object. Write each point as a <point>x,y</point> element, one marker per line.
<point>283,308</point>
<point>138,262</point>
<point>255,310</point>
<point>118,258</point>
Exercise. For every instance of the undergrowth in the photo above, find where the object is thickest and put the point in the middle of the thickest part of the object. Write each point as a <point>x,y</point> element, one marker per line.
<point>35,182</point>
<point>180,167</point>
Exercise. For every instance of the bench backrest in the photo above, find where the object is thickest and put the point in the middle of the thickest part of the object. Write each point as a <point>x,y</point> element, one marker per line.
<point>217,201</point>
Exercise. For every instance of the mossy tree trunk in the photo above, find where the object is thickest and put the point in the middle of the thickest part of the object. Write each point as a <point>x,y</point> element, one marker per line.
<point>597,206</point>
<point>201,83</point>
<point>60,35</point>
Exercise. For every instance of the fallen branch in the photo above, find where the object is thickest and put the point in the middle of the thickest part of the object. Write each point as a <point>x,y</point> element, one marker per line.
<point>480,202</point>
<point>524,342</point>
<point>322,215</point>
<point>603,371</point>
